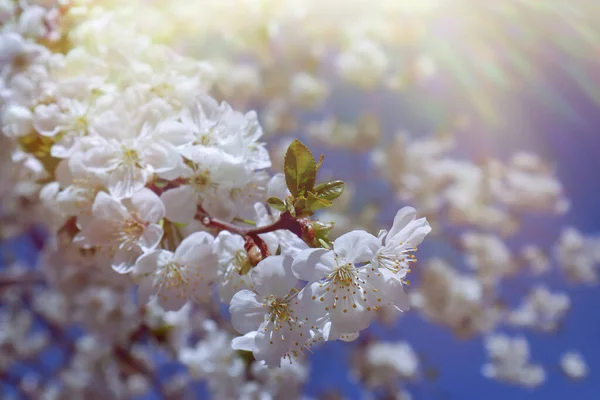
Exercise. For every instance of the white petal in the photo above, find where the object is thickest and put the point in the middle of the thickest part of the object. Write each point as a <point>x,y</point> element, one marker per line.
<point>273,275</point>
<point>175,133</point>
<point>148,205</point>
<point>98,232</point>
<point>151,237</point>
<point>180,204</point>
<point>356,246</point>
<point>145,291</point>
<point>403,217</point>
<point>247,313</point>
<point>107,208</point>
<point>149,262</point>
<point>313,264</point>
<point>162,156</point>
<point>245,343</point>
<point>277,186</point>
<point>408,230</point>
<point>125,181</point>
<point>101,158</point>
<point>124,261</point>
<point>196,250</point>
<point>46,119</point>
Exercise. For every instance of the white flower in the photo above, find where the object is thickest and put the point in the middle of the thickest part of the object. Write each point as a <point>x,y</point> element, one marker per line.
<point>541,310</point>
<point>510,361</point>
<point>573,365</point>
<point>270,317</point>
<point>69,118</point>
<point>16,121</point>
<point>208,184</point>
<point>393,360</point>
<point>396,245</point>
<point>186,274</point>
<point>128,147</point>
<point>213,358</point>
<point>218,126</point>
<point>234,265</point>
<point>125,229</point>
<point>343,291</point>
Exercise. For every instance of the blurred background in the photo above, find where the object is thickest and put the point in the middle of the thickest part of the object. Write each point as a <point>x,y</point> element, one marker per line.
<point>483,115</point>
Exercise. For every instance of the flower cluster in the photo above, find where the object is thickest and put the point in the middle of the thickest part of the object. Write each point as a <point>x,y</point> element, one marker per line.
<point>128,131</point>
<point>150,176</point>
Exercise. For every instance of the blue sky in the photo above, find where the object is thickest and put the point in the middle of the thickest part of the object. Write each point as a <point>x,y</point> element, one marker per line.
<point>570,138</point>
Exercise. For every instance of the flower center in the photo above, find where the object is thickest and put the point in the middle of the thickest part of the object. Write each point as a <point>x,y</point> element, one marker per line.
<point>242,262</point>
<point>172,276</point>
<point>201,181</point>
<point>129,232</point>
<point>279,311</point>
<point>396,260</point>
<point>131,157</point>
<point>343,276</point>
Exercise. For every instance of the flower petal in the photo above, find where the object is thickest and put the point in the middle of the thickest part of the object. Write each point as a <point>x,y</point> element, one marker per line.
<point>356,246</point>
<point>196,250</point>
<point>245,343</point>
<point>180,204</point>
<point>273,276</point>
<point>151,237</point>
<point>247,313</point>
<point>148,205</point>
<point>313,264</point>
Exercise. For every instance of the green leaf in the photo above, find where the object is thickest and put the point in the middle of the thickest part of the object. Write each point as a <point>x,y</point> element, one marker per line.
<point>315,203</point>
<point>329,190</point>
<point>300,169</point>
<point>320,162</point>
<point>276,203</point>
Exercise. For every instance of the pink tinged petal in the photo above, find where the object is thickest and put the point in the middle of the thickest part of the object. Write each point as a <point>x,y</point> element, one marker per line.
<point>123,261</point>
<point>313,264</point>
<point>98,232</point>
<point>247,313</point>
<point>180,204</point>
<point>403,217</point>
<point>151,237</point>
<point>148,205</point>
<point>145,290</point>
<point>356,246</point>
<point>125,180</point>
<point>171,298</point>
<point>107,208</point>
<point>273,276</point>
<point>244,343</point>
<point>196,250</point>
<point>149,262</point>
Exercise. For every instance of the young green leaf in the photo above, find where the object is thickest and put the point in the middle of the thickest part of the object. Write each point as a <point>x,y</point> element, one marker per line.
<point>300,169</point>
<point>315,203</point>
<point>276,203</point>
<point>329,190</point>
